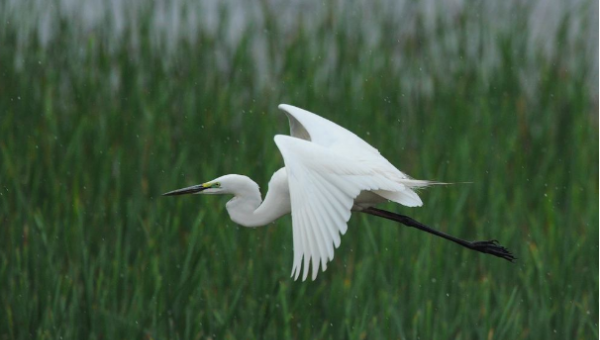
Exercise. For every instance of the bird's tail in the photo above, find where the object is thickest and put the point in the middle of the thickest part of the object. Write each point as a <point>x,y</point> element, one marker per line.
<point>408,197</point>
<point>422,184</point>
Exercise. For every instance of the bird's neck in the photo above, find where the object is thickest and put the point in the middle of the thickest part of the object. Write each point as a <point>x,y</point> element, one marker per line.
<point>247,208</point>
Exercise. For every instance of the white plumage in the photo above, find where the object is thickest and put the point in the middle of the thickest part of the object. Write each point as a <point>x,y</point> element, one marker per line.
<point>329,171</point>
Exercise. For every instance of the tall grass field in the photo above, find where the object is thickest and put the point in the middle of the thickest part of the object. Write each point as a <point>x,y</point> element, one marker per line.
<point>103,109</point>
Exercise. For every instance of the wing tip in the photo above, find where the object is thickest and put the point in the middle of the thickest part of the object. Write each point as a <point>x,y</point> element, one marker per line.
<point>287,141</point>
<point>286,107</point>
<point>279,139</point>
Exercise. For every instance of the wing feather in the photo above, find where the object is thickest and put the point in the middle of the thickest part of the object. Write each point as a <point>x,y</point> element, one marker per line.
<point>306,249</point>
<point>316,239</point>
<point>311,127</point>
<point>331,217</point>
<point>298,245</point>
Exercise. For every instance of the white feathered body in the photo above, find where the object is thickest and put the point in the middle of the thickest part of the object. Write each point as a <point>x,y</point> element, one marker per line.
<point>329,171</point>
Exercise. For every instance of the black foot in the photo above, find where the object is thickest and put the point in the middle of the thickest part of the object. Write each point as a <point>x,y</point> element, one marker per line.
<point>493,248</point>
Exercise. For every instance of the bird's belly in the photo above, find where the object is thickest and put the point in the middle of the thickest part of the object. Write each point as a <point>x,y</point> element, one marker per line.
<point>367,199</point>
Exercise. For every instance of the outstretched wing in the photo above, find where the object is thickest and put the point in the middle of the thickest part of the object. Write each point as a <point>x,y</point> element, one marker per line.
<point>318,130</point>
<point>323,185</point>
<point>308,126</point>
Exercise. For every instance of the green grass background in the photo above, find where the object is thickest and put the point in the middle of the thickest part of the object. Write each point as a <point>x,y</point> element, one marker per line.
<point>88,248</point>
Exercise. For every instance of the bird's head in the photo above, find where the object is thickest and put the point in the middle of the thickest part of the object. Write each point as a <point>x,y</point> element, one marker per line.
<point>228,184</point>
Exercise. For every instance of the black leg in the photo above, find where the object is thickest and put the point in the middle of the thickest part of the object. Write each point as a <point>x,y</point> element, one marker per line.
<point>488,247</point>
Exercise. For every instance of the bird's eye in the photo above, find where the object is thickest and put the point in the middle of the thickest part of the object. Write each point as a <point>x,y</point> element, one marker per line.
<point>217,185</point>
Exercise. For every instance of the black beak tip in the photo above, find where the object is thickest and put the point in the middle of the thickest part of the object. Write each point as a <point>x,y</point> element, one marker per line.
<point>172,193</point>
<point>185,191</point>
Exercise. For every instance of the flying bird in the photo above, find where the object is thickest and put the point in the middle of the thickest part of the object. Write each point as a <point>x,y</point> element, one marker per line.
<point>329,173</point>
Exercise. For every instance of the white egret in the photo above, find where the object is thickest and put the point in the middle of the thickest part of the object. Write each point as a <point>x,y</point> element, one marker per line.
<point>329,172</point>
